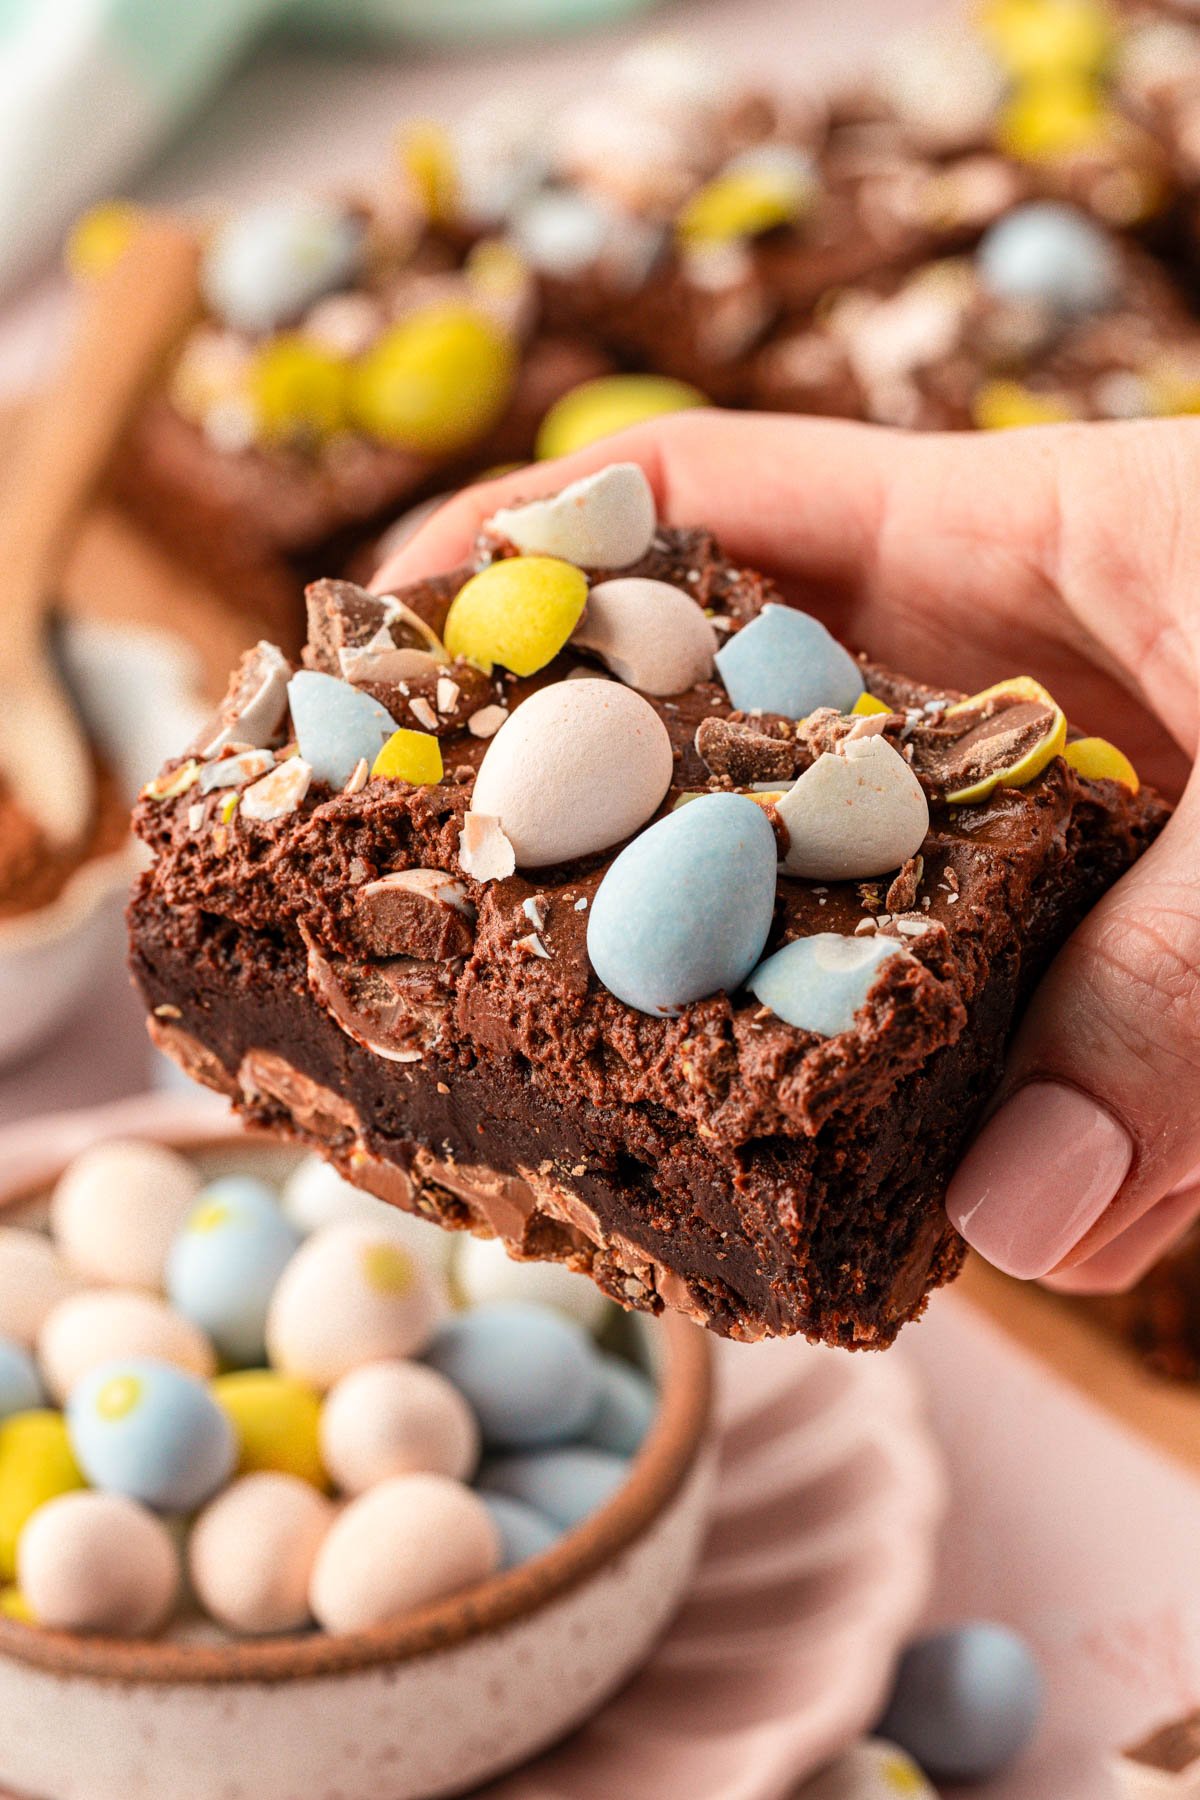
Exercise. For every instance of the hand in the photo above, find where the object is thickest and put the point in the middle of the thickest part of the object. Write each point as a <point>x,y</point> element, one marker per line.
<point>1069,553</point>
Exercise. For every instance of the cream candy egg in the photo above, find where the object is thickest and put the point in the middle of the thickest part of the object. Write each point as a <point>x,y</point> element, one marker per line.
<point>252,1551</point>
<point>857,812</point>
<point>110,1323</point>
<point>350,1295</point>
<point>314,1194</point>
<point>650,634</point>
<point>396,1418</point>
<point>98,1563</point>
<point>577,767</point>
<point>34,1279</point>
<point>407,1543</point>
<point>484,1271</point>
<point>605,521</point>
<point>117,1208</point>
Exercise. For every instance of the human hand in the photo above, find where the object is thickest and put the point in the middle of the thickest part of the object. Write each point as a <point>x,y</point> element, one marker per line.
<point>1069,553</point>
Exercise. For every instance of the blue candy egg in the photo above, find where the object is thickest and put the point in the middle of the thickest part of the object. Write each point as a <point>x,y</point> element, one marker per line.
<point>151,1432</point>
<point>223,1266</point>
<point>20,1385</point>
<point>625,1411</point>
<point>1052,255</point>
<point>818,983</point>
<point>529,1375</point>
<point>336,725</point>
<point>966,1701</point>
<point>566,1485</point>
<point>785,661</point>
<point>685,909</point>
<point>524,1532</point>
<point>265,266</point>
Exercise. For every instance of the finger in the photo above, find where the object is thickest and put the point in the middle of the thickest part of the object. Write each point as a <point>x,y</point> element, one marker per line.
<point>1122,1263</point>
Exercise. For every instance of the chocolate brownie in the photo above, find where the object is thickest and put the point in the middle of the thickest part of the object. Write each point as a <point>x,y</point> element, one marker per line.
<point>416,969</point>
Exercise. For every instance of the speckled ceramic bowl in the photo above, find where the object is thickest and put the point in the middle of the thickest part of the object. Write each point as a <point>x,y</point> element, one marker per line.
<point>435,1705</point>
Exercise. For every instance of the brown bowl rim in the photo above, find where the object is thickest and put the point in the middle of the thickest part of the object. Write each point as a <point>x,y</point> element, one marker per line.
<point>657,1473</point>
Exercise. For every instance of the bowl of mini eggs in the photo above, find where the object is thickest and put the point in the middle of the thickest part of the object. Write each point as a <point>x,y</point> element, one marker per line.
<point>300,1495</point>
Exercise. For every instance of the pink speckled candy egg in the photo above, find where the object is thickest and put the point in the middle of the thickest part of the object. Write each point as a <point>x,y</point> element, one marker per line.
<point>252,1550</point>
<point>107,1324</point>
<point>98,1563</point>
<point>33,1280</point>
<point>350,1295</point>
<point>117,1208</point>
<point>407,1543</point>
<point>396,1418</point>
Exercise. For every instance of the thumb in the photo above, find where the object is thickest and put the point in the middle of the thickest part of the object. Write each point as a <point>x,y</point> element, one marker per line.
<point>1101,1111</point>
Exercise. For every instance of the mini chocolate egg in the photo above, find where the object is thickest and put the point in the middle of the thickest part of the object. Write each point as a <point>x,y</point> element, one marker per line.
<point>20,1383</point>
<point>117,1208</point>
<point>650,634</point>
<point>396,1418</point>
<point>105,1324</point>
<point>606,404</point>
<point>252,1550</point>
<point>314,1194</point>
<point>223,1266</point>
<point>435,381</point>
<point>869,1770</point>
<point>277,1421</point>
<point>484,1271</point>
<point>34,1278</point>
<point>524,1532</point>
<point>857,812</point>
<point>1052,255</point>
<point>336,725</point>
<point>36,1465</point>
<point>518,612</point>
<point>13,1605</point>
<point>578,766</point>
<point>567,1484</point>
<point>529,1375</point>
<point>151,1432</point>
<point>966,1701</point>
<point>408,1542</point>
<point>819,983</point>
<point>98,1563</point>
<point>350,1295</point>
<point>625,1410</point>
<point>784,661</point>
<point>684,911</point>
<point>603,521</point>
<point>942,83</point>
<point>265,265</point>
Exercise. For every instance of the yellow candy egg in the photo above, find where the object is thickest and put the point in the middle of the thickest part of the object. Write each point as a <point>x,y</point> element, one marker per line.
<point>297,389</point>
<point>866,704</point>
<point>426,155</point>
<point>99,238</point>
<point>738,203</point>
<point>1050,37</point>
<point>597,408</point>
<point>36,1465</point>
<point>1046,120</point>
<point>518,612</point>
<point>14,1605</point>
<point>414,756</point>
<point>277,1421</point>
<point>1097,760</point>
<point>1031,764</point>
<point>1006,405</point>
<point>435,382</point>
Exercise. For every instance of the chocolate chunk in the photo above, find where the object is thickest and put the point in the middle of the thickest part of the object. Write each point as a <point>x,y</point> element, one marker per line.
<point>423,913</point>
<point>1173,1749</point>
<point>745,755</point>
<point>902,895</point>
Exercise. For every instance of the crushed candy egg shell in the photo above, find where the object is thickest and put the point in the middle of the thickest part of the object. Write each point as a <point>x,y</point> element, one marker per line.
<point>315,1194</point>
<point>867,705</point>
<point>853,814</point>
<point>350,1295</point>
<point>117,1207</point>
<point>530,1376</point>
<point>231,771</point>
<point>278,793</point>
<point>566,1484</point>
<point>685,909</point>
<point>252,1550</point>
<point>1097,760</point>
<point>20,1384</point>
<point>224,1264</point>
<point>755,192</point>
<point>518,612</point>
<point>524,1532</point>
<point>100,237</point>
<point>602,521</point>
<point>578,766</point>
<point>34,1278</point>
<point>820,983</point>
<point>277,1421</point>
<point>784,661</point>
<point>396,1418</point>
<point>1027,767</point>
<point>651,635</point>
<point>98,1563</point>
<point>407,1543</point>
<point>484,1271</point>
<point>336,725</point>
<point>1009,406</point>
<point>966,1701</point>
<point>37,1464</point>
<point>1051,254</point>
<point>265,265</point>
<point>607,404</point>
<point>434,382</point>
<point>151,1432</point>
<point>625,1410</point>
<point>297,389</point>
<point>108,1323</point>
<point>412,756</point>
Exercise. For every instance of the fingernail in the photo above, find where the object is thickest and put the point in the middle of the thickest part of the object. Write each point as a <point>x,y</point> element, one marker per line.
<point>1037,1177</point>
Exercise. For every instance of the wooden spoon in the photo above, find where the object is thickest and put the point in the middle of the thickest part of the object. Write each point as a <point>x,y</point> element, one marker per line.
<point>129,319</point>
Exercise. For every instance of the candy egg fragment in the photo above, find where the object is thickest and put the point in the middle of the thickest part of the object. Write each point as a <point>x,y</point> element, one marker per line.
<point>603,521</point>
<point>408,1542</point>
<point>152,1433</point>
<point>578,766</point>
<point>336,725</point>
<point>685,910</point>
<point>1018,733</point>
<point>34,1278</point>
<point>37,1464</point>
<point>264,266</point>
<point>277,1422</point>
<point>625,1409</point>
<point>20,1383</point>
<point>606,404</point>
<point>1097,760</point>
<point>252,1550</point>
<point>484,1271</point>
<point>565,1484</point>
<point>529,1375</point>
<point>117,1208</point>
<point>1052,255</point>
<point>350,1295</point>
<point>819,983</point>
<point>784,661</point>
<point>524,1533</point>
<point>106,1323</point>
<point>518,612</point>
<point>396,1418</point>
<point>98,1563</point>
<point>223,1266</point>
<point>648,633</point>
<point>857,812</point>
<point>966,1701</point>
